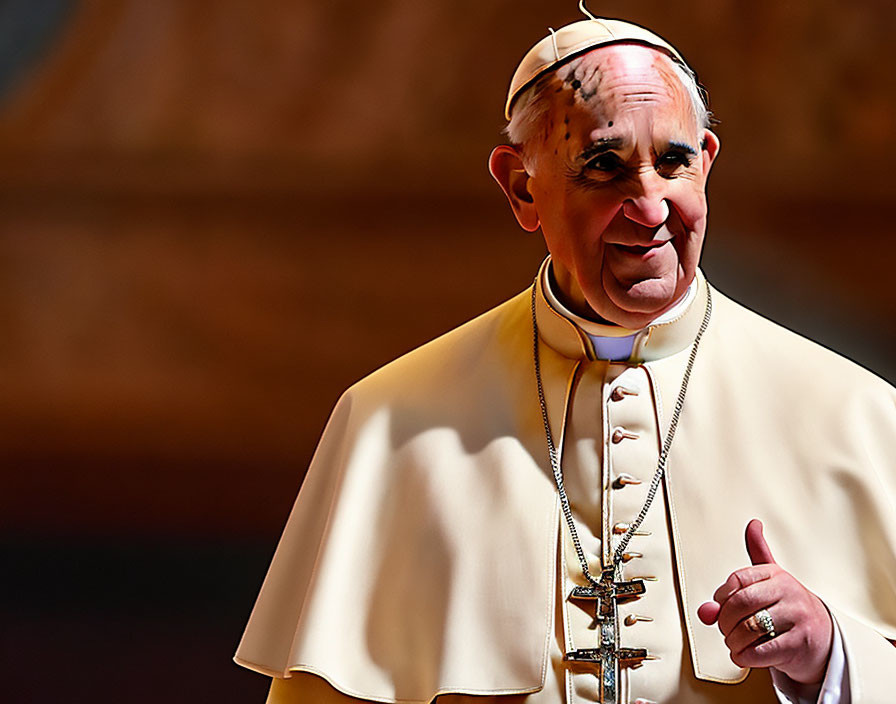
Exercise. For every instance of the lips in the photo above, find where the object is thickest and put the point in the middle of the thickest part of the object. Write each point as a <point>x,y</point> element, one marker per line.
<point>638,248</point>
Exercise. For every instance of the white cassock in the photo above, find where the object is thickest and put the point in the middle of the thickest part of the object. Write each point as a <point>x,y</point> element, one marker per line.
<point>426,555</point>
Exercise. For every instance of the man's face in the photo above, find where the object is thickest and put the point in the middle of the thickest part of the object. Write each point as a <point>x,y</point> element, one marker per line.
<point>619,184</point>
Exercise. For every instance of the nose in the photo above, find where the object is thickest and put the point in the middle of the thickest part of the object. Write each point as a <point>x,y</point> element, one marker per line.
<point>646,204</point>
<point>646,213</point>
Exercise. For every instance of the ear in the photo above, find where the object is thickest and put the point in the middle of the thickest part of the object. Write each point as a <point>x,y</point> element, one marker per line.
<point>710,146</point>
<point>506,167</point>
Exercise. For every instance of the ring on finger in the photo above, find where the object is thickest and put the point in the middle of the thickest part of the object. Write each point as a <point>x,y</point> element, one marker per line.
<point>761,622</point>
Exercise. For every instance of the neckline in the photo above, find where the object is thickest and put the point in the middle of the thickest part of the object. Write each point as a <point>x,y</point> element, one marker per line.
<point>670,333</point>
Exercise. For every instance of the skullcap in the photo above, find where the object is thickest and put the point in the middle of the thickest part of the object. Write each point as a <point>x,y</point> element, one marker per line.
<point>574,39</point>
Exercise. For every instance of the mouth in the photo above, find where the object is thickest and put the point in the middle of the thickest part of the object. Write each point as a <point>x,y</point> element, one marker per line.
<point>639,249</point>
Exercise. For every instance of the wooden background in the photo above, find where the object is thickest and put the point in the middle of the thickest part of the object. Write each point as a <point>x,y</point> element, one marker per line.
<point>217,215</point>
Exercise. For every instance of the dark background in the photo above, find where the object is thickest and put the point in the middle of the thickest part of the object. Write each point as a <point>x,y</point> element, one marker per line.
<point>216,215</point>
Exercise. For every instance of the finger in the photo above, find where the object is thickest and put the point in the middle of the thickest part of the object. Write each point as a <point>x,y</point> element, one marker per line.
<point>740,579</point>
<point>746,634</point>
<point>757,548</point>
<point>746,602</point>
<point>768,653</point>
<point>708,612</point>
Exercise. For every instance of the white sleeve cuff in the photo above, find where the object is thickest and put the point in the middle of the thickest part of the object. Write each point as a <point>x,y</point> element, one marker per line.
<point>834,689</point>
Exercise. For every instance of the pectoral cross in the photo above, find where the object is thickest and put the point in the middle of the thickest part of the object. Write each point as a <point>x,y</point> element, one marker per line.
<point>607,593</point>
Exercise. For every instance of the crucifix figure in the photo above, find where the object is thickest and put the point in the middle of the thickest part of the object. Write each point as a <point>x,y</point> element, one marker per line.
<point>606,594</point>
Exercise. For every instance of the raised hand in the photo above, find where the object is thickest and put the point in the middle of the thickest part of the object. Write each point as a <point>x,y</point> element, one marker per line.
<point>803,629</point>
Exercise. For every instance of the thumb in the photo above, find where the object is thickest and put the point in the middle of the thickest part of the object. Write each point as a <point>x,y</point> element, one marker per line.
<point>757,548</point>
<point>708,612</point>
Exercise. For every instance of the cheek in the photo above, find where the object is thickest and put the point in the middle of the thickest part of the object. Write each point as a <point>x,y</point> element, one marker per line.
<point>691,213</point>
<point>574,227</point>
<point>690,204</point>
<point>593,212</point>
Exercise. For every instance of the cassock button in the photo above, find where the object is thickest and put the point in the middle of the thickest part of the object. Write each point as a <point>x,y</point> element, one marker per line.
<point>621,434</point>
<point>624,480</point>
<point>620,528</point>
<point>632,619</point>
<point>620,392</point>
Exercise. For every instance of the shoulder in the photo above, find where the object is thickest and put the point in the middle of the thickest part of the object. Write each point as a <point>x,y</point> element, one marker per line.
<point>778,359</point>
<point>466,357</point>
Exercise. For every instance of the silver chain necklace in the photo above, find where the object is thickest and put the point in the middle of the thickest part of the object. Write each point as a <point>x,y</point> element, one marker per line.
<point>661,464</point>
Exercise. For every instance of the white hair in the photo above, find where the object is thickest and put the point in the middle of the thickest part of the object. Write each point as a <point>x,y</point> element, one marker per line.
<point>527,116</point>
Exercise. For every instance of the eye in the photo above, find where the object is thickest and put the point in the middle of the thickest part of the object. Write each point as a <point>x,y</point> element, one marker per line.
<point>604,162</point>
<point>672,161</point>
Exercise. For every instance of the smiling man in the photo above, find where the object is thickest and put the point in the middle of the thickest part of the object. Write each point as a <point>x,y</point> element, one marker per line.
<point>549,504</point>
<point>616,180</point>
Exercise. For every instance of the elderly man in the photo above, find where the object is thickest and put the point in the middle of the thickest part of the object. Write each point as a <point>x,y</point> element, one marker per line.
<point>538,506</point>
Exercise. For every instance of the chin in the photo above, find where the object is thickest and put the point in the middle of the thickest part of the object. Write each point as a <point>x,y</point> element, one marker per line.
<point>634,321</point>
<point>645,298</point>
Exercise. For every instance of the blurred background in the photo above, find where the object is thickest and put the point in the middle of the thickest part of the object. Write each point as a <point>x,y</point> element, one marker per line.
<point>218,215</point>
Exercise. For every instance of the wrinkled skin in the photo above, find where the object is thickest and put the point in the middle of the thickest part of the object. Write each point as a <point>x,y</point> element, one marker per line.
<point>803,625</point>
<point>617,185</point>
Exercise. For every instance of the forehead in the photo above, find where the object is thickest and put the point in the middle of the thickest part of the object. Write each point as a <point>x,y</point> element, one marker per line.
<point>621,81</point>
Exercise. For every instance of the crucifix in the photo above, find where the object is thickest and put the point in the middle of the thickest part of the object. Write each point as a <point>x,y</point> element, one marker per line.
<point>606,594</point>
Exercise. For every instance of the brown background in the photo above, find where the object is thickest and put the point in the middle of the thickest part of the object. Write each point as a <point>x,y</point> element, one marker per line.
<point>217,215</point>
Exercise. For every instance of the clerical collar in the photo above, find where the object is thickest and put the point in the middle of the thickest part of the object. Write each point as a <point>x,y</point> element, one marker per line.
<point>576,337</point>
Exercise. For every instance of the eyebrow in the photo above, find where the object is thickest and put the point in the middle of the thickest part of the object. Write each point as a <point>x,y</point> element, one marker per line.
<point>599,146</point>
<point>683,146</point>
<point>606,144</point>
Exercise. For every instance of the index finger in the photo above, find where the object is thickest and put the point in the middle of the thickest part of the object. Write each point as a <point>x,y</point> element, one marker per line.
<point>739,579</point>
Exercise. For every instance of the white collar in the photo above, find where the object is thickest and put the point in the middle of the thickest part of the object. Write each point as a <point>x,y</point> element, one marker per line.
<point>608,346</point>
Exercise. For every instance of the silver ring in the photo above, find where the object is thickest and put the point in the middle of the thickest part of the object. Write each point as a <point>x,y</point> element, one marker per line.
<point>766,622</point>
